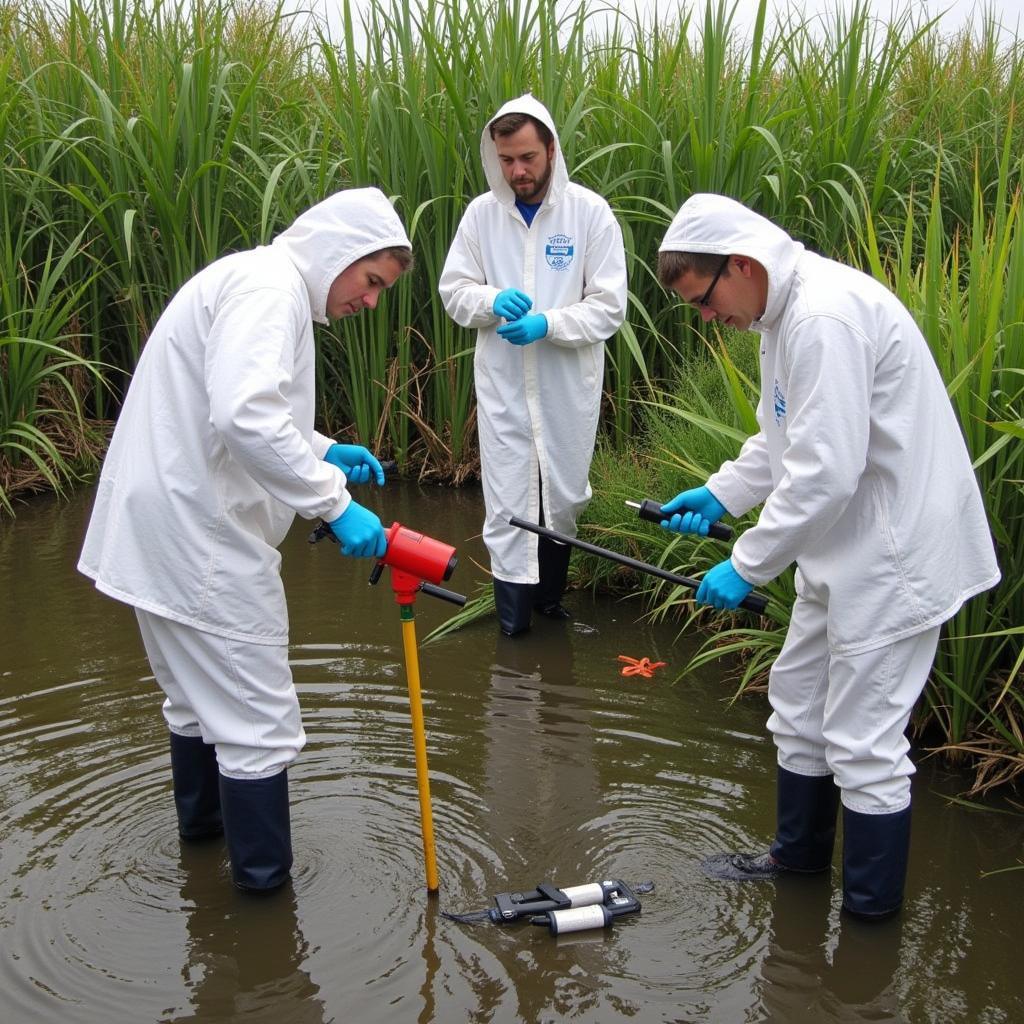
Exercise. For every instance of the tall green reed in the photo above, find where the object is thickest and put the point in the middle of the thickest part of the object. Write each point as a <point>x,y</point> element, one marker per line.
<point>968,296</point>
<point>182,131</point>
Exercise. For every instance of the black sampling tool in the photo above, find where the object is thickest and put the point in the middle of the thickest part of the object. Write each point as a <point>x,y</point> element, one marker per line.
<point>753,602</point>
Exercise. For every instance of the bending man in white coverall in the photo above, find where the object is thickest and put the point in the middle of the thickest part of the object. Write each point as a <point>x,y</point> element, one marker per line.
<point>538,267</point>
<point>867,486</point>
<point>213,454</point>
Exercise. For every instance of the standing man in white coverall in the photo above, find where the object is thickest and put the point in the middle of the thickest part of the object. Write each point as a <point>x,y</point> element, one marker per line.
<point>538,267</point>
<point>867,486</point>
<point>213,455</point>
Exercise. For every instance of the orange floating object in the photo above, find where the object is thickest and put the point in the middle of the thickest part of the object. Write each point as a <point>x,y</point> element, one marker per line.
<point>640,666</point>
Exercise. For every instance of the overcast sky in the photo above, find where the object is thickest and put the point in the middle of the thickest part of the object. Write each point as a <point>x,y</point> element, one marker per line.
<point>954,14</point>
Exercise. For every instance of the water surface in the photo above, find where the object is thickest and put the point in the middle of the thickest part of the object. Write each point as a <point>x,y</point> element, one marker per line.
<point>545,763</point>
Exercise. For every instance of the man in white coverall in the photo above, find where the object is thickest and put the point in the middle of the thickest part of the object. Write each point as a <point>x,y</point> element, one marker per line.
<point>213,454</point>
<point>867,486</point>
<point>538,267</point>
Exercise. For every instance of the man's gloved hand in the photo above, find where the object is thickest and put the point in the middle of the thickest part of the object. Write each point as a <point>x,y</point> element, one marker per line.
<point>359,532</point>
<point>355,462</point>
<point>723,586</point>
<point>526,330</point>
<point>511,303</point>
<point>692,511</point>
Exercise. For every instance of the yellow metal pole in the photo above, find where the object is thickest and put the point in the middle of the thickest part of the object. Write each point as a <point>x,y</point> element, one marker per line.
<point>419,739</point>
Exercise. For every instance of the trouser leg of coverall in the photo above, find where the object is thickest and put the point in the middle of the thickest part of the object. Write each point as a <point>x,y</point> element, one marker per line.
<point>846,715</point>
<point>239,697</point>
<point>515,602</point>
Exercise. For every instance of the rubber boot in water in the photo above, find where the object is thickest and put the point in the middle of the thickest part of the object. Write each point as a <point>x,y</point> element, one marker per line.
<point>553,564</point>
<point>257,827</point>
<point>513,603</point>
<point>196,787</point>
<point>805,832</point>
<point>875,852</point>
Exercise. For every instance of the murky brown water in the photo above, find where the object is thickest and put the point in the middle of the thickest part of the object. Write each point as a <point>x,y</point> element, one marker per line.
<point>545,763</point>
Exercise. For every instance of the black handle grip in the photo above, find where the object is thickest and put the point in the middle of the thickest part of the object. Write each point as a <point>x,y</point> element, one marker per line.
<point>322,530</point>
<point>755,603</point>
<point>651,511</point>
<point>444,595</point>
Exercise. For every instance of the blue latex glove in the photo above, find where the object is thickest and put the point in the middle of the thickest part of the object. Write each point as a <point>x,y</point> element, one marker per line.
<point>723,586</point>
<point>359,532</point>
<point>692,511</point>
<point>355,462</point>
<point>525,330</point>
<point>511,303</point>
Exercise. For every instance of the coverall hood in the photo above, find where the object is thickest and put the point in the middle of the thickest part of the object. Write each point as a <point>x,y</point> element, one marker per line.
<point>525,104</point>
<point>336,233</point>
<point>716,224</point>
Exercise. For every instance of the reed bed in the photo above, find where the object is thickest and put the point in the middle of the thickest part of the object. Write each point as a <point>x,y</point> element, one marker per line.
<point>141,140</point>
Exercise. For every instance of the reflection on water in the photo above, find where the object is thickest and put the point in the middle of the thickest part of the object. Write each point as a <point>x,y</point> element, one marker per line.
<point>816,968</point>
<point>546,765</point>
<point>224,980</point>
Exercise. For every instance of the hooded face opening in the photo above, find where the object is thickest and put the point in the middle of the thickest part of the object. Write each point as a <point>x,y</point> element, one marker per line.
<point>526,161</point>
<point>734,294</point>
<point>360,284</point>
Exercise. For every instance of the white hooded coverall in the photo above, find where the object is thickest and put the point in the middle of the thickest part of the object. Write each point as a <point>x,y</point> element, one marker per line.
<point>867,485</point>
<point>537,405</point>
<point>213,455</point>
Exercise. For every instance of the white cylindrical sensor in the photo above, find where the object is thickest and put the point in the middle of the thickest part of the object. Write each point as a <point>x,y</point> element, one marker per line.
<point>584,895</point>
<point>578,919</point>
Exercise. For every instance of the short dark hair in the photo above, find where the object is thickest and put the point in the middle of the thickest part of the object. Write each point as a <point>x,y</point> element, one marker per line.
<point>509,124</point>
<point>401,254</point>
<point>672,265</point>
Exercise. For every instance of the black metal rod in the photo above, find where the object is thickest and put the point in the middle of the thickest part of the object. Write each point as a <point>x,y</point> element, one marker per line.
<point>752,602</point>
<point>444,595</point>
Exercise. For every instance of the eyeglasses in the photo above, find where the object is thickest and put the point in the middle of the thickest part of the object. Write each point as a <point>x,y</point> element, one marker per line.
<point>705,299</point>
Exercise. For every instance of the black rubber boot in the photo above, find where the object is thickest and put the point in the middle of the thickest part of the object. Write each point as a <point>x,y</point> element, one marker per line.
<point>875,852</point>
<point>513,603</point>
<point>553,563</point>
<point>805,821</point>
<point>257,827</point>
<point>196,787</point>
<point>805,833</point>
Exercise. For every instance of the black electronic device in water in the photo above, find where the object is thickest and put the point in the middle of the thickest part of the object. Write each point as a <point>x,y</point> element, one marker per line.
<point>567,909</point>
<point>619,900</point>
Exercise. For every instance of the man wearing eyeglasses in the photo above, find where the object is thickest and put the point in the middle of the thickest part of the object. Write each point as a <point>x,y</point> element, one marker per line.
<point>866,484</point>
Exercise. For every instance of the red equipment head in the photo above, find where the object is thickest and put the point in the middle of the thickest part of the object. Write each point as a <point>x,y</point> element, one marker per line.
<point>415,561</point>
<point>419,555</point>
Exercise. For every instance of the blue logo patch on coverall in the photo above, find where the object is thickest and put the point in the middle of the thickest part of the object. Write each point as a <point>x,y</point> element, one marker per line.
<point>559,251</point>
<point>779,400</point>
